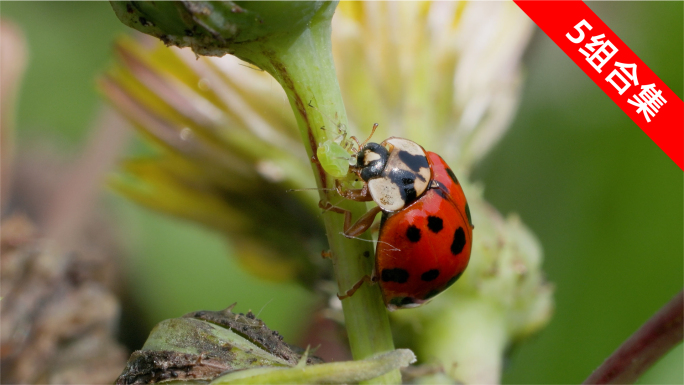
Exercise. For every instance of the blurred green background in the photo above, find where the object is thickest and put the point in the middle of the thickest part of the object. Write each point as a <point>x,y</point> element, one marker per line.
<point>604,200</point>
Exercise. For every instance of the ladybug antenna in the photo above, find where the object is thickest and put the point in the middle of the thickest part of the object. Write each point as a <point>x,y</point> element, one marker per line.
<point>360,145</point>
<point>375,125</point>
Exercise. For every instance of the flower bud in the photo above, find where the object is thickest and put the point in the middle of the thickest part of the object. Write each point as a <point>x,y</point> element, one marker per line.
<point>215,28</point>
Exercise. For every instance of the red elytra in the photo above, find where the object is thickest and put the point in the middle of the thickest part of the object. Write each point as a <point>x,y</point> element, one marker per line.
<point>425,247</point>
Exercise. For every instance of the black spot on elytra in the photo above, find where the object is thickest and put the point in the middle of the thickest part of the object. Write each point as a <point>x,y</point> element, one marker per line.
<point>413,234</point>
<point>395,275</point>
<point>366,254</point>
<point>401,301</point>
<point>470,220</point>
<point>396,301</point>
<point>435,224</point>
<point>459,241</point>
<point>430,275</point>
<point>431,294</point>
<point>452,175</point>
<point>414,162</point>
<point>452,280</point>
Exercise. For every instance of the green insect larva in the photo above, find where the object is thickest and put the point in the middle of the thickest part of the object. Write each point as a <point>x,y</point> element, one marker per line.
<point>334,158</point>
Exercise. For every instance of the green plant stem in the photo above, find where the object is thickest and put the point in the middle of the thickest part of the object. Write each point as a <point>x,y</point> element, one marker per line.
<point>306,71</point>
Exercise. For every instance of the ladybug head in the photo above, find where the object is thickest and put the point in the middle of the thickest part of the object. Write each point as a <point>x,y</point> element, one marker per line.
<point>371,160</point>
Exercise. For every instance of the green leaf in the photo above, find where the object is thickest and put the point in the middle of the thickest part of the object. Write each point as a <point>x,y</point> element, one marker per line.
<point>330,373</point>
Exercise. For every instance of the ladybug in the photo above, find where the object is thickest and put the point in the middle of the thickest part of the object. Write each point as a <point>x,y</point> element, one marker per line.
<point>426,229</point>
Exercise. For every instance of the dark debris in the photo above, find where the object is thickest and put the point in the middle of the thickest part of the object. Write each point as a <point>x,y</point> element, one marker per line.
<point>150,367</point>
<point>254,330</point>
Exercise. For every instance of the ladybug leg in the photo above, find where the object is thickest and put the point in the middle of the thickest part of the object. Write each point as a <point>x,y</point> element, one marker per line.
<point>360,226</point>
<point>327,206</point>
<point>359,195</point>
<point>366,278</point>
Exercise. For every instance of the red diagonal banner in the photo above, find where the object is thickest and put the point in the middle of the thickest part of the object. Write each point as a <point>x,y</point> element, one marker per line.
<point>619,72</point>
